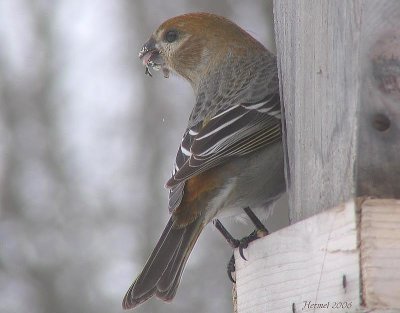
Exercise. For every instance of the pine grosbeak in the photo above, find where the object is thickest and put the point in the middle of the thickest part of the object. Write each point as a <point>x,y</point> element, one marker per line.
<point>231,154</point>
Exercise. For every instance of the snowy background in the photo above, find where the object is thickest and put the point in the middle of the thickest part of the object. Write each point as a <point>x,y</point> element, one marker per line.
<point>86,144</point>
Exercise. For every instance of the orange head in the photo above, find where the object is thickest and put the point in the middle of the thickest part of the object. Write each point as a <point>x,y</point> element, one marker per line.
<point>192,45</point>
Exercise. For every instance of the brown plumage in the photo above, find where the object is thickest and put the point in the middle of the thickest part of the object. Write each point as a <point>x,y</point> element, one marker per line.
<point>231,155</point>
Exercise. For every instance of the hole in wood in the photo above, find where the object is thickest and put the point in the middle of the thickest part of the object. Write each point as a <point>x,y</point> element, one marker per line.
<point>380,122</point>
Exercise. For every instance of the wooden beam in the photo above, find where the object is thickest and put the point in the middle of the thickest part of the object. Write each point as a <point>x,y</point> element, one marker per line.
<point>378,142</point>
<point>339,65</point>
<point>380,253</point>
<point>347,256</point>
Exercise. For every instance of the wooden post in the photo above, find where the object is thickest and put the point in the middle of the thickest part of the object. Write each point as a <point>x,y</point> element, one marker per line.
<point>339,65</point>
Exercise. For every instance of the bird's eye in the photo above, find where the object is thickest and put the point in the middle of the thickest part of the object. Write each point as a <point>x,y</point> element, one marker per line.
<point>171,36</point>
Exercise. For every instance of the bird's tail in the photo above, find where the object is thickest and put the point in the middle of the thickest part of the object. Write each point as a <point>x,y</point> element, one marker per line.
<point>162,273</point>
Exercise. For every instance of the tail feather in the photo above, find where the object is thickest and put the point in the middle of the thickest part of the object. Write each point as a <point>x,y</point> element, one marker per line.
<point>170,272</point>
<point>173,272</point>
<point>163,270</point>
<point>169,294</point>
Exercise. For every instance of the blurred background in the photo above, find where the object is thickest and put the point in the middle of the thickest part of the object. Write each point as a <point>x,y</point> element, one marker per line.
<point>86,144</point>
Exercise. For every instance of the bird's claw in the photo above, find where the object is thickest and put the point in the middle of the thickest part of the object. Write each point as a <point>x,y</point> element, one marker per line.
<point>242,244</point>
<point>231,268</point>
<point>241,252</point>
<point>147,72</point>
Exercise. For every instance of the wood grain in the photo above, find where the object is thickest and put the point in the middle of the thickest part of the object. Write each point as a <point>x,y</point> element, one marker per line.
<point>378,142</point>
<point>308,260</point>
<point>380,253</point>
<point>339,65</point>
<point>301,263</point>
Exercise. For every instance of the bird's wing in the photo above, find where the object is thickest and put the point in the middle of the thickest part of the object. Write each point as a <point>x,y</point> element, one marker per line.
<point>234,131</point>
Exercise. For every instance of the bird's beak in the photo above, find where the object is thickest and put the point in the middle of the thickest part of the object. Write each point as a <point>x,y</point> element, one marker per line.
<point>151,58</point>
<point>147,51</point>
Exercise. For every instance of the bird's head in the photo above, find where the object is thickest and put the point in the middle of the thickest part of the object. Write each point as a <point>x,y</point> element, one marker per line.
<point>194,44</point>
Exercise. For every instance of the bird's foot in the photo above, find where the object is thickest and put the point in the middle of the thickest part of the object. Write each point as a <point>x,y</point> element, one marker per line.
<point>243,244</point>
<point>259,232</point>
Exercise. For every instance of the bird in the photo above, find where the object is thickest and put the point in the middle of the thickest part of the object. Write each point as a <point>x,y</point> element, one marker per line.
<point>231,153</point>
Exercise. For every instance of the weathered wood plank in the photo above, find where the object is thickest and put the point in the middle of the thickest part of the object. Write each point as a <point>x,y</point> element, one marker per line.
<point>305,263</point>
<point>378,156</point>
<point>319,80</point>
<point>339,64</point>
<point>302,264</point>
<point>380,253</point>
